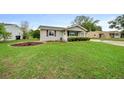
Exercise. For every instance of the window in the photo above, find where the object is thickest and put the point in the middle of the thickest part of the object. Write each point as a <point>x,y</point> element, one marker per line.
<point>116,34</point>
<point>72,33</point>
<point>51,33</point>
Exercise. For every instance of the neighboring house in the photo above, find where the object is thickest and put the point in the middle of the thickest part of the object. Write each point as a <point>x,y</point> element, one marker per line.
<point>104,34</point>
<point>114,34</point>
<point>15,31</point>
<point>50,33</point>
<point>95,34</point>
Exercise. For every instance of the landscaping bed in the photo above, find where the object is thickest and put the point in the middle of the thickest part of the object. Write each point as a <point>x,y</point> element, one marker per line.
<point>70,39</point>
<point>27,44</point>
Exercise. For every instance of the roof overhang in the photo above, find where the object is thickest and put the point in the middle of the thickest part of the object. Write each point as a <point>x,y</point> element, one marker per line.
<point>84,29</point>
<point>50,28</point>
<point>61,28</point>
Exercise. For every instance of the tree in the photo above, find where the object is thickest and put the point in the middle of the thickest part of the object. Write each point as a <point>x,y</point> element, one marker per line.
<point>24,27</point>
<point>3,34</point>
<point>117,23</point>
<point>35,33</point>
<point>89,23</point>
<point>98,28</point>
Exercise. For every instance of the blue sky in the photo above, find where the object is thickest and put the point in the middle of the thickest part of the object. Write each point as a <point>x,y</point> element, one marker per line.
<point>54,19</point>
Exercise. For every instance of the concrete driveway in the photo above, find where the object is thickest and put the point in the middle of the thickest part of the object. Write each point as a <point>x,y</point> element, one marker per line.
<point>118,43</point>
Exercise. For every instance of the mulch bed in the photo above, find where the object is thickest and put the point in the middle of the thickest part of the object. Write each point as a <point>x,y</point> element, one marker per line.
<point>27,44</point>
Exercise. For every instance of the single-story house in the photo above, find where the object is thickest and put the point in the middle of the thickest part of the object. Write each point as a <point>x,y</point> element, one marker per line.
<point>114,34</point>
<point>51,33</point>
<point>104,34</point>
<point>15,31</point>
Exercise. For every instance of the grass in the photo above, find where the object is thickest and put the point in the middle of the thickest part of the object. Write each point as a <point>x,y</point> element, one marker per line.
<point>62,60</point>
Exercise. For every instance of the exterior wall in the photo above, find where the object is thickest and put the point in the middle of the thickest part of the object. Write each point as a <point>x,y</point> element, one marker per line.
<point>81,34</point>
<point>44,37</point>
<point>59,35</point>
<point>65,36</point>
<point>92,35</point>
<point>14,30</point>
<point>106,35</point>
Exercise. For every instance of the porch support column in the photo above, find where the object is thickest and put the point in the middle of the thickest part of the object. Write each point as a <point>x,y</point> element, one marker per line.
<point>65,37</point>
<point>84,34</point>
<point>40,35</point>
<point>119,35</point>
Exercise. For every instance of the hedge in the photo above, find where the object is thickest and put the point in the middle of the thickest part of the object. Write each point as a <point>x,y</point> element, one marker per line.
<point>78,39</point>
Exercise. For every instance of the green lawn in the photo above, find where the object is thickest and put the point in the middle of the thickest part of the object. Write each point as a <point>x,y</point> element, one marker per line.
<point>62,60</point>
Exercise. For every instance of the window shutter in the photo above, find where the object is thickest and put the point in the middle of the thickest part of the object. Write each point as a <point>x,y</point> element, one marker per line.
<point>47,33</point>
<point>55,33</point>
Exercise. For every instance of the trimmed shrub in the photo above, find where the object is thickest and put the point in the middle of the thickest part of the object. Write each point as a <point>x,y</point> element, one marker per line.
<point>78,39</point>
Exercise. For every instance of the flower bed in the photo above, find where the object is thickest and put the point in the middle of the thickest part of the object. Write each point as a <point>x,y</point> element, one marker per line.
<point>27,44</point>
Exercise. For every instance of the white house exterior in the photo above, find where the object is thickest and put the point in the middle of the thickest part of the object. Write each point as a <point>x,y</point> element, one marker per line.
<point>15,31</point>
<point>50,33</point>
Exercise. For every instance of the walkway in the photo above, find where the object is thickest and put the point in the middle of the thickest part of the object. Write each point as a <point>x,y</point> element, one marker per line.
<point>118,43</point>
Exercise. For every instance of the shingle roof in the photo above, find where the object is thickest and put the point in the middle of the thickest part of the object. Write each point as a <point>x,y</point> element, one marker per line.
<point>51,28</point>
<point>59,28</point>
<point>11,25</point>
<point>113,31</point>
